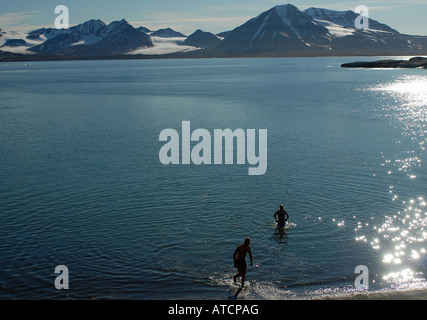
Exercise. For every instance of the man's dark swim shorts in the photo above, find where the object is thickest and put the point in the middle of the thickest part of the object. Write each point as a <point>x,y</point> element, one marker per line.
<point>239,263</point>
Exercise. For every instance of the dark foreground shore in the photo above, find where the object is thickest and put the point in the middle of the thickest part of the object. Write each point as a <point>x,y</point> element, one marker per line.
<point>416,62</point>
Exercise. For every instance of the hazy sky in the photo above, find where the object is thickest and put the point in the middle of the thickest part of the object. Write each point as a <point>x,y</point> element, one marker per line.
<point>186,16</point>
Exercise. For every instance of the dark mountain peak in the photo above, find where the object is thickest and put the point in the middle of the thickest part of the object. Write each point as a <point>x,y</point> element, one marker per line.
<point>143,29</point>
<point>281,28</point>
<point>286,9</point>
<point>15,43</point>
<point>200,32</point>
<point>117,27</point>
<point>89,27</point>
<point>167,33</point>
<point>121,37</point>
<point>202,39</point>
<point>93,22</point>
<point>118,23</point>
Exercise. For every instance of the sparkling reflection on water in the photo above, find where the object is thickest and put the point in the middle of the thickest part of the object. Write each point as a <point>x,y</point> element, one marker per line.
<point>400,237</point>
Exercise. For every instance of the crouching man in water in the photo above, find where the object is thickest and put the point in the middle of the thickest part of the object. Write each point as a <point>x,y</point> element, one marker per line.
<point>239,258</point>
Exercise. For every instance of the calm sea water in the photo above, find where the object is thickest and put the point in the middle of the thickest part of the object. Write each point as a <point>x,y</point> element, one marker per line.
<point>81,183</point>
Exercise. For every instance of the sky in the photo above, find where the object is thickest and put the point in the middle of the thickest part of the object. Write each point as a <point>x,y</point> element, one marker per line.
<point>186,16</point>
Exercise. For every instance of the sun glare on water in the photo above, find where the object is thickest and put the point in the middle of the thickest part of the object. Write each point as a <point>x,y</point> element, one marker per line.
<point>400,237</point>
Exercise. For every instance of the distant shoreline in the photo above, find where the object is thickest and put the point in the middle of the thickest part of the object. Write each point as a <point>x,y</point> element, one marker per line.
<point>10,57</point>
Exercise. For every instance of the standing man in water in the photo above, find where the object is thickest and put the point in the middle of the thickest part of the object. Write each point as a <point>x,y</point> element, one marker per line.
<point>281,216</point>
<point>239,258</point>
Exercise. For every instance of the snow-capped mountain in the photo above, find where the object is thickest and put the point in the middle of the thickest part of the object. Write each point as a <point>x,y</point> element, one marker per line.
<point>287,30</point>
<point>282,28</point>
<point>345,19</point>
<point>88,28</point>
<point>91,38</point>
<point>378,37</point>
<point>121,37</point>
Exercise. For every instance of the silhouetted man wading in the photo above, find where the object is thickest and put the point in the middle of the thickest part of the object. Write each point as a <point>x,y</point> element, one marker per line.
<point>239,258</point>
<point>281,216</point>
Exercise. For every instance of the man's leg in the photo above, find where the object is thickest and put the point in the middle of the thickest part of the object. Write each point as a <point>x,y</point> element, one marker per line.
<point>243,274</point>
<point>238,274</point>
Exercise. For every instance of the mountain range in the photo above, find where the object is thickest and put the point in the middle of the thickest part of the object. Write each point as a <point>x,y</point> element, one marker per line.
<point>93,37</point>
<point>283,30</point>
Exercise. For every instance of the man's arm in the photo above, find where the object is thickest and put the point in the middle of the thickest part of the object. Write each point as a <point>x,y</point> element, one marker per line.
<point>250,256</point>
<point>286,215</point>
<point>275,216</point>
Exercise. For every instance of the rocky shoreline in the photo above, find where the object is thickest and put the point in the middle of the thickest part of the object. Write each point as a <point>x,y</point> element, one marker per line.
<point>416,62</point>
